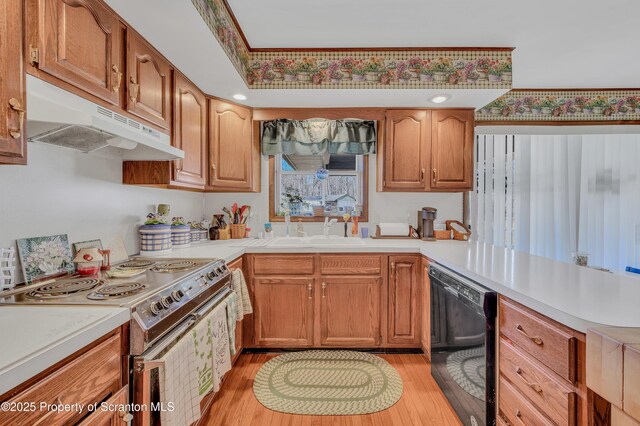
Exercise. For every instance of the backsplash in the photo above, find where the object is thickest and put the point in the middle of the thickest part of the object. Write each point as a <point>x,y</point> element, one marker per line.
<point>67,192</point>
<point>383,206</point>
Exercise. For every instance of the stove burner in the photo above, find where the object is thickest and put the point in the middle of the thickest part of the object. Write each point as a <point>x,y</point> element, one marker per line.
<point>63,288</point>
<point>116,291</point>
<point>135,264</point>
<point>175,266</point>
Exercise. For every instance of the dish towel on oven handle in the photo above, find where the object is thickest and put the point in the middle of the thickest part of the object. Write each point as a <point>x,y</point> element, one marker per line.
<point>232,317</point>
<point>220,343</point>
<point>239,285</point>
<point>187,375</point>
<point>195,365</point>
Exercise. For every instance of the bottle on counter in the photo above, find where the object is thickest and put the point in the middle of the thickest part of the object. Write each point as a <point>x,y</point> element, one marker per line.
<point>300,229</point>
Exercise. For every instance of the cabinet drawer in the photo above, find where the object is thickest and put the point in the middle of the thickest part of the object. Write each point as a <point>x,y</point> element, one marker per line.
<point>114,415</point>
<point>516,409</point>
<point>547,392</point>
<point>89,378</point>
<point>550,344</point>
<point>283,265</point>
<point>350,265</point>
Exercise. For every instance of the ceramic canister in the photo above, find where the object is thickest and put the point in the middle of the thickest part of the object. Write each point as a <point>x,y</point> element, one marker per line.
<point>155,239</point>
<point>180,236</point>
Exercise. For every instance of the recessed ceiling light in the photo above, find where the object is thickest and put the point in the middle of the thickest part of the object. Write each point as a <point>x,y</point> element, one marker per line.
<point>438,99</point>
<point>239,97</point>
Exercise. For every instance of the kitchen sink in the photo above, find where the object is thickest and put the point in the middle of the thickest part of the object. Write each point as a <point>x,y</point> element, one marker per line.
<point>316,240</point>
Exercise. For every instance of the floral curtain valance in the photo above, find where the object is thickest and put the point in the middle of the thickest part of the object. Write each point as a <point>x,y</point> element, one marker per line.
<point>318,137</point>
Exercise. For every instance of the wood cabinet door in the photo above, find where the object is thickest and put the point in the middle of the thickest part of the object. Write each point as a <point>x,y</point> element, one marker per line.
<point>406,145</point>
<point>350,311</point>
<point>283,311</point>
<point>452,149</point>
<point>425,323</point>
<point>78,42</point>
<point>404,300</point>
<point>189,132</point>
<point>148,82</point>
<point>13,141</point>
<point>230,147</point>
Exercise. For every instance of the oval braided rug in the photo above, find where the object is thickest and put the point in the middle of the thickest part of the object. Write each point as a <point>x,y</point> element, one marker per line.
<point>327,383</point>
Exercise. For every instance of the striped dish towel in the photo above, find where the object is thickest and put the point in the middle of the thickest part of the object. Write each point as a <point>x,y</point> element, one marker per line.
<point>243,302</point>
<point>187,375</point>
<point>232,317</point>
<point>220,344</point>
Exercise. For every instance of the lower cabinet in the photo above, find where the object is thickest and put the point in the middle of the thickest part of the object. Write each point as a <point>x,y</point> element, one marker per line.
<point>541,369</point>
<point>284,312</point>
<point>405,281</point>
<point>90,378</point>
<point>425,323</point>
<point>336,300</point>
<point>350,311</point>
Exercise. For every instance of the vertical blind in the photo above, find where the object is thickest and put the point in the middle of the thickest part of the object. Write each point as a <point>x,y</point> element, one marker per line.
<point>554,195</point>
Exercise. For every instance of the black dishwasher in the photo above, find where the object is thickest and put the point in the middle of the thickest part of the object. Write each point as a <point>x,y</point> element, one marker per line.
<point>463,345</point>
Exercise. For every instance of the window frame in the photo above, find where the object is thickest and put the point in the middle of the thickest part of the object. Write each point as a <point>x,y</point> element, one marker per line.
<point>273,190</point>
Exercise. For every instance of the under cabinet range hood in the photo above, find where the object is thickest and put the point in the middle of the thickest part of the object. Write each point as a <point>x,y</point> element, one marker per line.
<point>58,117</point>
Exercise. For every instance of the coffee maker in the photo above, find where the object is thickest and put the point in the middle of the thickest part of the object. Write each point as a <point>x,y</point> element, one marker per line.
<point>426,217</point>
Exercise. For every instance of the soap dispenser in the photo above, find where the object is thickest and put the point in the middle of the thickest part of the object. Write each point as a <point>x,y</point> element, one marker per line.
<point>300,229</point>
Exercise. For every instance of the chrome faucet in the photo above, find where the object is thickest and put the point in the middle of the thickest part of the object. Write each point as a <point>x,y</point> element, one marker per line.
<point>327,225</point>
<point>287,221</point>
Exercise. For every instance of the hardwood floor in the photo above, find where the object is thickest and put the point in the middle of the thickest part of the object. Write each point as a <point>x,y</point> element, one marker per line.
<point>422,402</point>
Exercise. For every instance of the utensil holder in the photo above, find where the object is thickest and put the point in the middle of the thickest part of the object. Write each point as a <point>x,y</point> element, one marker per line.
<point>224,233</point>
<point>238,231</point>
<point>7,268</point>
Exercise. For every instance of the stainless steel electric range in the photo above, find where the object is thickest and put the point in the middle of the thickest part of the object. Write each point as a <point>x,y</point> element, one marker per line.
<point>166,298</point>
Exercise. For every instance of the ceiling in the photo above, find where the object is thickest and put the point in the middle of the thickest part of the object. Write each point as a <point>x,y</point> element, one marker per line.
<point>562,44</point>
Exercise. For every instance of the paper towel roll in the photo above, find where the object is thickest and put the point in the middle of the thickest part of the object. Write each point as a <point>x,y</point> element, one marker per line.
<point>394,229</point>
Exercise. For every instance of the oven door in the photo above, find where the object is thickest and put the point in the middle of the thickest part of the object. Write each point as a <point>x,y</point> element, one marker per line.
<point>145,376</point>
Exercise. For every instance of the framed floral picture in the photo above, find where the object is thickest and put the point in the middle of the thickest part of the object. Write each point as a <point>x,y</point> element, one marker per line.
<point>43,257</point>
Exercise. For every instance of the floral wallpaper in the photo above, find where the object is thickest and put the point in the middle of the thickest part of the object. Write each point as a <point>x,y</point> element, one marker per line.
<point>563,105</point>
<point>215,15</point>
<point>381,69</point>
<point>427,68</point>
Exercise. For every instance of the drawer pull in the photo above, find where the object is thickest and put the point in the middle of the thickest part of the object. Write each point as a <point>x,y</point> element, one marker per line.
<point>310,289</point>
<point>324,287</point>
<point>518,414</point>
<point>536,387</point>
<point>535,339</point>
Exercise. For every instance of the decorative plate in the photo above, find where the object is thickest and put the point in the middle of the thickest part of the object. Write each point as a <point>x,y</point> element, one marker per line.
<point>44,257</point>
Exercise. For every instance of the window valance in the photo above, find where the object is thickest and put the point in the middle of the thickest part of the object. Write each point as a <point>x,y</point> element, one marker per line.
<point>318,137</point>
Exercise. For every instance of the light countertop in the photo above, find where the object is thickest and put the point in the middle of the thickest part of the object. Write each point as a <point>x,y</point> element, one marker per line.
<point>575,296</point>
<point>36,337</point>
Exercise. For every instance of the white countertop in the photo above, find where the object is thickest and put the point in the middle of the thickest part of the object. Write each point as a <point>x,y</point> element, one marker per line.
<point>575,296</point>
<point>36,337</point>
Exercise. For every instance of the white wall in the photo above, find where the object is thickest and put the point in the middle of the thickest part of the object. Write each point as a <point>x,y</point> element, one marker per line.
<point>62,191</point>
<point>383,206</point>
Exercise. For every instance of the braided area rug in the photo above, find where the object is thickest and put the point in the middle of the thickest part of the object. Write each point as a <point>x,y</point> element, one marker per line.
<point>327,383</point>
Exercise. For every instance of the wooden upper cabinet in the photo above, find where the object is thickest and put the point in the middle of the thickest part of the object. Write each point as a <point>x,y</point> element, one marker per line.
<point>13,142</point>
<point>406,148</point>
<point>231,150</point>
<point>189,132</point>
<point>452,149</point>
<point>78,42</point>
<point>148,82</point>
<point>350,311</point>
<point>404,300</point>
